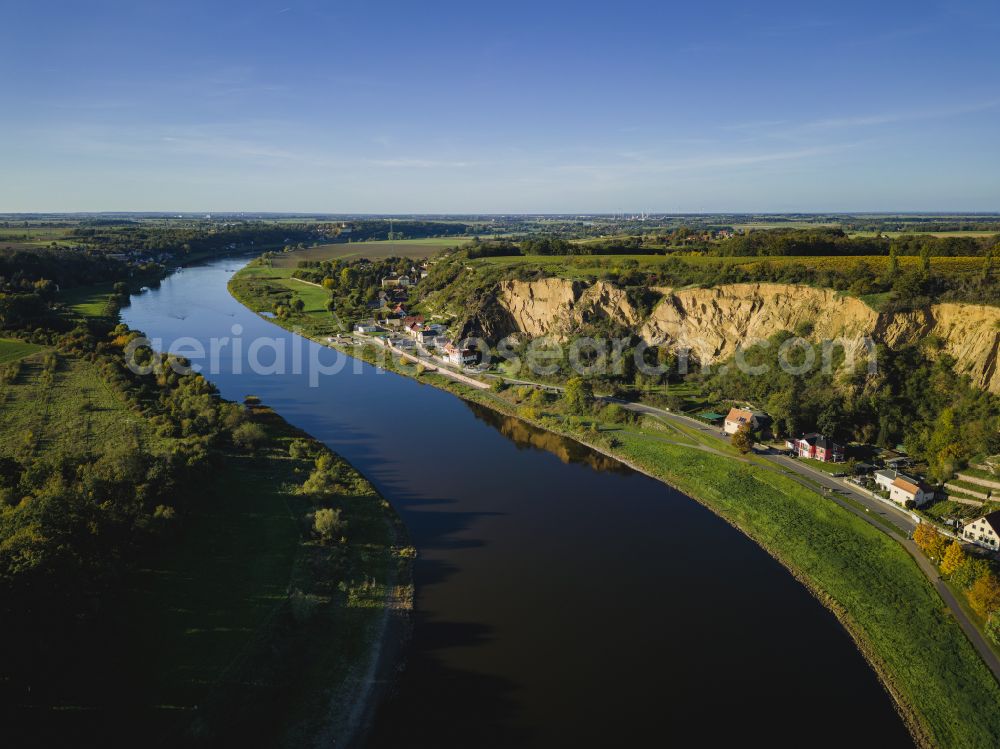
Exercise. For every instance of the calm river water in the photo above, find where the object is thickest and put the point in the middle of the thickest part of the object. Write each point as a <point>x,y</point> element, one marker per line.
<point>561,599</point>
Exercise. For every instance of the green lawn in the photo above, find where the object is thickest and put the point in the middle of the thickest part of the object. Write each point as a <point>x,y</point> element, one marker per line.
<point>87,301</point>
<point>830,468</point>
<point>12,350</point>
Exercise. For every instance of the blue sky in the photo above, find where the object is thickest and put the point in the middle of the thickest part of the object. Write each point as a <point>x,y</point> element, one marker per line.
<point>440,107</point>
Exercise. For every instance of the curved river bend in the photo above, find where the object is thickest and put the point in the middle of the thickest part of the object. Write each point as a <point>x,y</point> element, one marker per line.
<point>561,599</point>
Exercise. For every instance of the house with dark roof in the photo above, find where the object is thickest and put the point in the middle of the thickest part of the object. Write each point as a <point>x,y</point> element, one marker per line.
<point>817,447</point>
<point>984,531</point>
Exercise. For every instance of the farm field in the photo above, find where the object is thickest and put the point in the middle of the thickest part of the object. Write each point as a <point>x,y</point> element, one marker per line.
<point>411,248</point>
<point>12,350</point>
<point>33,237</point>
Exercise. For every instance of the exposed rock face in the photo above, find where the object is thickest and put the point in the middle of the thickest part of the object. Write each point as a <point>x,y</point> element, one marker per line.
<point>555,306</point>
<point>713,322</point>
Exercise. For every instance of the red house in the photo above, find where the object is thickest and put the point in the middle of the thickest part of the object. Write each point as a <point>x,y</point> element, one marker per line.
<point>817,447</point>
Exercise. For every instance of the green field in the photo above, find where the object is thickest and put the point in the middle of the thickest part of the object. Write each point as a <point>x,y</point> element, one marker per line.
<point>411,248</point>
<point>33,237</point>
<point>87,301</point>
<point>278,282</point>
<point>12,350</point>
<point>72,410</point>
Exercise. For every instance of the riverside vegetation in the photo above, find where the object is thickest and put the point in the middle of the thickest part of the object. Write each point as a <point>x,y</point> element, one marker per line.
<point>173,566</point>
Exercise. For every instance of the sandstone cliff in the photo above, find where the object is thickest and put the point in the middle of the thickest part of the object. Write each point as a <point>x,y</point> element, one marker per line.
<point>713,322</point>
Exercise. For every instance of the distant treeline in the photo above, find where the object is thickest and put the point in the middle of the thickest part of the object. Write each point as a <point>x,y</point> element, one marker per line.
<point>377,229</point>
<point>791,242</point>
<point>557,246</point>
<point>198,239</point>
<point>31,279</point>
<point>760,243</point>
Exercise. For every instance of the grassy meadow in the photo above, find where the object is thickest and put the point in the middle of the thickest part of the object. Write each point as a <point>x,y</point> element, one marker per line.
<point>12,350</point>
<point>87,301</point>
<point>54,404</point>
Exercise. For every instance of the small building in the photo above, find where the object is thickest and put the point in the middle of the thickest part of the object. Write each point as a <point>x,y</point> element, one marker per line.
<point>903,488</point>
<point>984,531</point>
<point>366,326</point>
<point>739,416</point>
<point>459,355</point>
<point>817,447</point>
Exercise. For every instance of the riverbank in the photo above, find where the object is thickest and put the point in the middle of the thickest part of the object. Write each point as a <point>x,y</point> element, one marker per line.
<point>945,692</point>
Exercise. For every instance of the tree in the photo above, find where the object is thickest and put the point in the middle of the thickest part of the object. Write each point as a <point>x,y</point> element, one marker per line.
<point>970,571</point>
<point>579,394</point>
<point>930,541</point>
<point>298,305</point>
<point>993,627</point>
<point>984,596</point>
<point>743,439</point>
<point>249,436</point>
<point>327,522</point>
<point>954,558</point>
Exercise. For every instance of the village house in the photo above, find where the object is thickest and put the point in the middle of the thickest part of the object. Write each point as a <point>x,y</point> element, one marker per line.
<point>390,281</point>
<point>984,531</point>
<point>817,447</point>
<point>739,416</point>
<point>903,489</point>
<point>459,355</point>
<point>366,326</point>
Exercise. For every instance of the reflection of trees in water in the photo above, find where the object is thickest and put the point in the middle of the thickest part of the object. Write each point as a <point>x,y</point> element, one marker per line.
<point>523,434</point>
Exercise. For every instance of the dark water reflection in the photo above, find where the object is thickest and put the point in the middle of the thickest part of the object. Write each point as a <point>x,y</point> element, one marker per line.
<point>562,599</point>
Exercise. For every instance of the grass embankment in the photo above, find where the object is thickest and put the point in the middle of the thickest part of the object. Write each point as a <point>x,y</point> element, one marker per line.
<point>241,627</point>
<point>945,691</point>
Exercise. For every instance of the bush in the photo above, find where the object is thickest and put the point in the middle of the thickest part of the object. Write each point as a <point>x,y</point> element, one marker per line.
<point>249,436</point>
<point>300,449</point>
<point>327,523</point>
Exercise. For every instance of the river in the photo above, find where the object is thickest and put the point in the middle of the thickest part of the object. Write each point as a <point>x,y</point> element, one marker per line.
<point>561,599</point>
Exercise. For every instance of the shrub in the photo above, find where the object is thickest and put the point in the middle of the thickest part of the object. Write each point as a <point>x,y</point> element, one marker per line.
<point>249,436</point>
<point>327,523</point>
